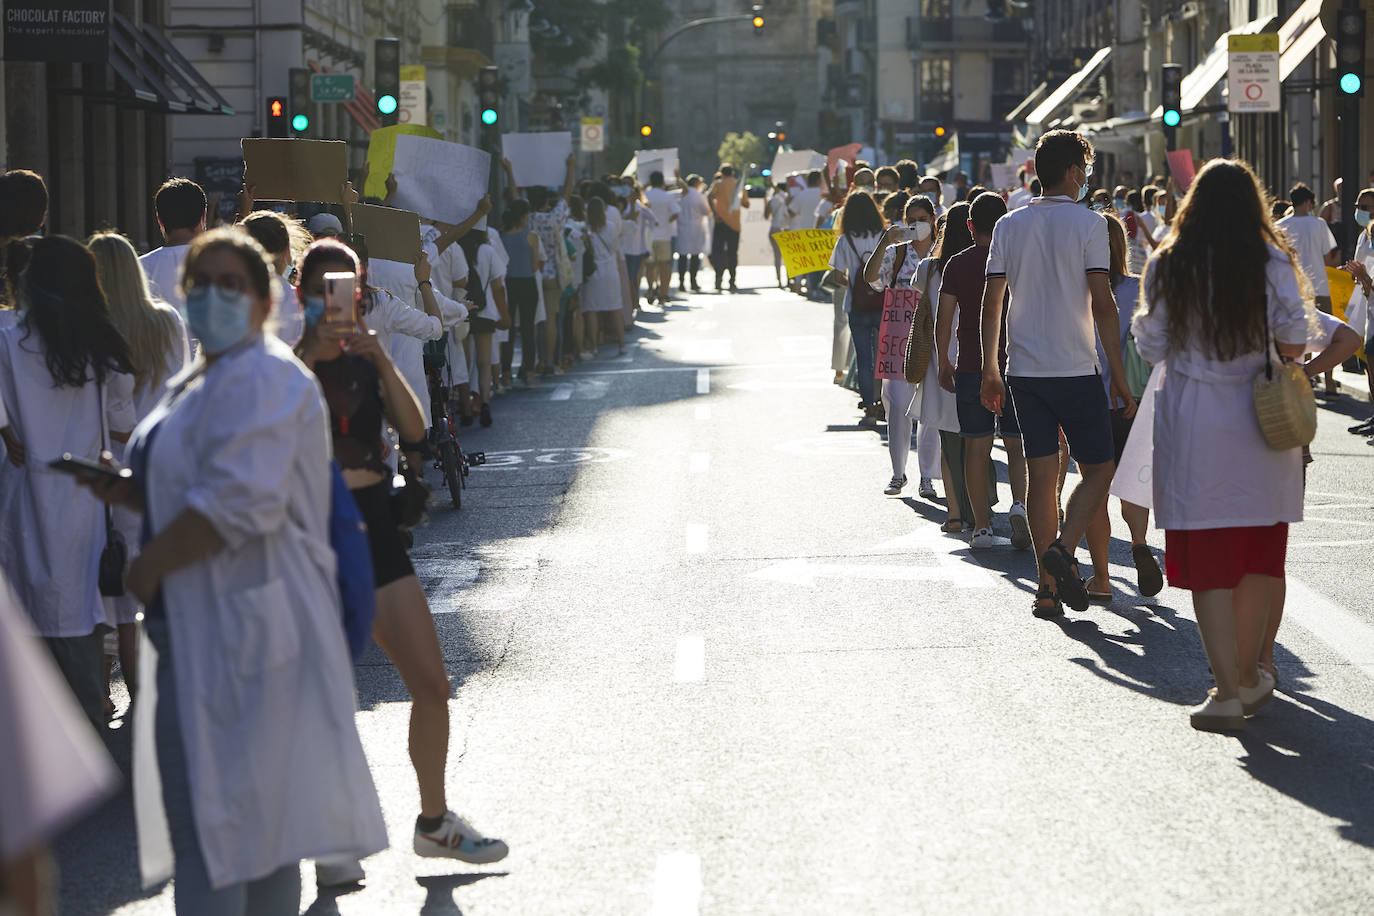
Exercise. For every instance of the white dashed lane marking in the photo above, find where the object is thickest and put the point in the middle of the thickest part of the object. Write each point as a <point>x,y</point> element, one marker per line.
<point>703,381</point>
<point>562,393</point>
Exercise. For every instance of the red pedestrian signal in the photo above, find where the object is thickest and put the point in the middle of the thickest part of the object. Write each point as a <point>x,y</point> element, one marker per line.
<point>276,118</point>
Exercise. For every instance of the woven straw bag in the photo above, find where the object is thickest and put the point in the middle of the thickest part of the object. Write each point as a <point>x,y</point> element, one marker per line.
<point>1284,403</point>
<point>920,346</point>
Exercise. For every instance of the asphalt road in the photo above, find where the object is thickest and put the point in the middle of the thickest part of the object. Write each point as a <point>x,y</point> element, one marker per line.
<point>701,664</point>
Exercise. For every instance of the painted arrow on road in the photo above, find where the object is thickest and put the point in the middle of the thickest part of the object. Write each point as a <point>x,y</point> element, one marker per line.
<point>802,571</point>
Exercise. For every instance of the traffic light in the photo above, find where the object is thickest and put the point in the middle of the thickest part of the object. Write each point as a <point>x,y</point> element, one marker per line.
<point>645,130</point>
<point>300,99</point>
<point>386,63</point>
<point>940,131</point>
<point>1350,29</point>
<point>1171,100</point>
<point>489,94</point>
<point>758,20</point>
<point>276,117</point>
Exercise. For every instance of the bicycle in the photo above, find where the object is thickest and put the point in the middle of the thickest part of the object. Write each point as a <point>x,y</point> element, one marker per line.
<point>449,457</point>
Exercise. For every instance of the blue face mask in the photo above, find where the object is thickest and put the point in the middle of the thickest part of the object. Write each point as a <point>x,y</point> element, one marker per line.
<point>314,308</point>
<point>217,317</point>
<point>1362,218</point>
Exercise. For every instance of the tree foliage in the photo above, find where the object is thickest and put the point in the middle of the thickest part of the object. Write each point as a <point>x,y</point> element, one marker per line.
<point>567,33</point>
<point>742,149</point>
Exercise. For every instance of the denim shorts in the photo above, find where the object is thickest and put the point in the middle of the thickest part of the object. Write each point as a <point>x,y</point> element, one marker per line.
<point>975,420</point>
<point>1076,404</point>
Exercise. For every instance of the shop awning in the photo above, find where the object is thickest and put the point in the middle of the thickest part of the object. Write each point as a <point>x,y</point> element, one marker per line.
<point>1299,37</point>
<point>1068,89</point>
<point>1207,75</point>
<point>1020,110</point>
<point>156,74</point>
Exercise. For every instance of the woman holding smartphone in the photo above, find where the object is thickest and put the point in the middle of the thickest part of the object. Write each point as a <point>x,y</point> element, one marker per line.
<point>252,727</point>
<point>364,390</point>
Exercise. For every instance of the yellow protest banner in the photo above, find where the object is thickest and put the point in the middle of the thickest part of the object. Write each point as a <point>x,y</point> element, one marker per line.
<point>805,250</point>
<point>381,152</point>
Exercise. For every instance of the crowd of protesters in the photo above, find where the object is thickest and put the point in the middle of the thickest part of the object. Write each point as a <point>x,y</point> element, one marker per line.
<point>1044,314</point>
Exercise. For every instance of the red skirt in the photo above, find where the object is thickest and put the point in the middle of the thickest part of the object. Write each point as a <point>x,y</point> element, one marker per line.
<point>1217,558</point>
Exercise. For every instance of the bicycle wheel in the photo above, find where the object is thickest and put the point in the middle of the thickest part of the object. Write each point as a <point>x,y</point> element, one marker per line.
<point>449,454</point>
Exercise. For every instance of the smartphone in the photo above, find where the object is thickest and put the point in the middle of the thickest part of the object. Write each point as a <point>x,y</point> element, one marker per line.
<point>88,470</point>
<point>339,288</point>
<point>901,236</point>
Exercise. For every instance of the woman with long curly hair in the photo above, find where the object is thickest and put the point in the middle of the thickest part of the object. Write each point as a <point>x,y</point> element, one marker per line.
<point>1222,294</point>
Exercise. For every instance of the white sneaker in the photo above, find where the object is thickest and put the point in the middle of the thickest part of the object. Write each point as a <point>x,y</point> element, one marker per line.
<point>894,486</point>
<point>1020,526</point>
<point>1219,715</point>
<point>456,839</point>
<point>927,490</point>
<point>1254,698</point>
<point>982,539</point>
<point>587,355</point>
<point>338,871</point>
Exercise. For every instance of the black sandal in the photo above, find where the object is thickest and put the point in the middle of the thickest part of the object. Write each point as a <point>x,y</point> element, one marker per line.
<point>1043,611</point>
<point>1060,564</point>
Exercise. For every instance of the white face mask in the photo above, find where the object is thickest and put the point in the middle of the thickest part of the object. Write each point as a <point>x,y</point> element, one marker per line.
<point>921,231</point>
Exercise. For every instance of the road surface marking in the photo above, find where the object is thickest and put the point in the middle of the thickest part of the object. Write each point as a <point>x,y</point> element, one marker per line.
<point>1340,630</point>
<point>703,381</point>
<point>691,659</point>
<point>703,411</point>
<point>696,538</point>
<point>708,351</point>
<point>677,885</point>
<point>700,462</point>
<point>562,393</point>
<point>802,571</point>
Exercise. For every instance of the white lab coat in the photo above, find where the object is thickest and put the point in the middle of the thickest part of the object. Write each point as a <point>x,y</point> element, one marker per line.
<point>265,694</point>
<point>693,224</point>
<point>402,327</point>
<point>450,279</point>
<point>1211,465</point>
<point>125,608</point>
<point>51,531</point>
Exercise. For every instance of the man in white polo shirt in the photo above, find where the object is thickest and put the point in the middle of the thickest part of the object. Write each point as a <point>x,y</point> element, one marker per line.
<point>1316,249</point>
<point>1054,255</point>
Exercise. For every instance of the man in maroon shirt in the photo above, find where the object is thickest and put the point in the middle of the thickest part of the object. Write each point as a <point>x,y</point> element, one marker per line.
<point>962,287</point>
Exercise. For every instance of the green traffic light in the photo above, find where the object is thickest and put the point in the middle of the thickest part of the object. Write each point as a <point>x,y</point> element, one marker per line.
<point>1172,117</point>
<point>386,104</point>
<point>488,116</point>
<point>299,123</point>
<point>1351,83</point>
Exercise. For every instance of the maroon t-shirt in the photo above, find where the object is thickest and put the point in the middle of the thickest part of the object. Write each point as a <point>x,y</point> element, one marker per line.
<point>963,279</point>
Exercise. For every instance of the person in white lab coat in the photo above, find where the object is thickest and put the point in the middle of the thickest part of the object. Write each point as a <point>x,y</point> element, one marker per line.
<point>490,310</point>
<point>67,383</point>
<point>158,350</point>
<point>363,388</point>
<point>1223,497</point>
<point>693,232</point>
<point>252,707</point>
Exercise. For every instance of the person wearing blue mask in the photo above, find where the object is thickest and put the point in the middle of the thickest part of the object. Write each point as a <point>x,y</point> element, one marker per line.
<point>1055,258</point>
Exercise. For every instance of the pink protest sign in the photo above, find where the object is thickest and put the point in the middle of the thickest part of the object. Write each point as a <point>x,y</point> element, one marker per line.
<point>1181,167</point>
<point>899,309</point>
<point>849,152</point>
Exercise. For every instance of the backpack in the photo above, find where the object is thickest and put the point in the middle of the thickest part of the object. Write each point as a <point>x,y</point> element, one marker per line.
<point>436,353</point>
<point>353,552</point>
<point>862,297</point>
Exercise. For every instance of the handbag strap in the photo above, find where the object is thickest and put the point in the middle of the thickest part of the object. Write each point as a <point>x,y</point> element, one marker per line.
<point>104,445</point>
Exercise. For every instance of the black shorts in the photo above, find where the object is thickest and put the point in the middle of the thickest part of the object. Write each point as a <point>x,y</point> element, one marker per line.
<point>975,420</point>
<point>1076,404</point>
<point>482,325</point>
<point>389,558</point>
<point>1121,431</point>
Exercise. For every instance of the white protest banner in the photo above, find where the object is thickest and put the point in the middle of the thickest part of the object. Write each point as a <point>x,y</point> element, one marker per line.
<point>630,167</point>
<point>1004,178</point>
<point>538,159</point>
<point>648,161</point>
<point>438,179</point>
<point>1134,480</point>
<point>796,160</point>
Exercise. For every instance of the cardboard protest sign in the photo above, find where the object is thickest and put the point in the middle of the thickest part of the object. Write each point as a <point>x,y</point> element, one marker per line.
<point>648,161</point>
<point>1134,480</point>
<point>1004,177</point>
<point>437,179</point>
<point>1181,167</point>
<point>805,250</point>
<point>392,235</point>
<point>313,170</point>
<point>538,159</point>
<point>848,153</point>
<point>794,160</point>
<point>899,310</point>
<point>381,153</point>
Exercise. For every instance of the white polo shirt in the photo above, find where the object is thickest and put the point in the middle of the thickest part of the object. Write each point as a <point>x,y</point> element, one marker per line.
<point>1312,241</point>
<point>665,205</point>
<point>1046,250</point>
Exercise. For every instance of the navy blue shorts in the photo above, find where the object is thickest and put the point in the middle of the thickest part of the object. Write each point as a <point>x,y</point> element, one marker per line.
<point>1075,404</point>
<point>975,420</point>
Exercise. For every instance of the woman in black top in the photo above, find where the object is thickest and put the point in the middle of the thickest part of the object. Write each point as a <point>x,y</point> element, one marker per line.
<point>364,389</point>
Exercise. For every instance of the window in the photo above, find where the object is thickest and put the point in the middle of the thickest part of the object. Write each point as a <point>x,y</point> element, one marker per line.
<point>937,88</point>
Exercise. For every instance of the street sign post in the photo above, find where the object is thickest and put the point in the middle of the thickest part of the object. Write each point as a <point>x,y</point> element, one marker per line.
<point>413,95</point>
<point>1252,73</point>
<point>593,135</point>
<point>332,87</point>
